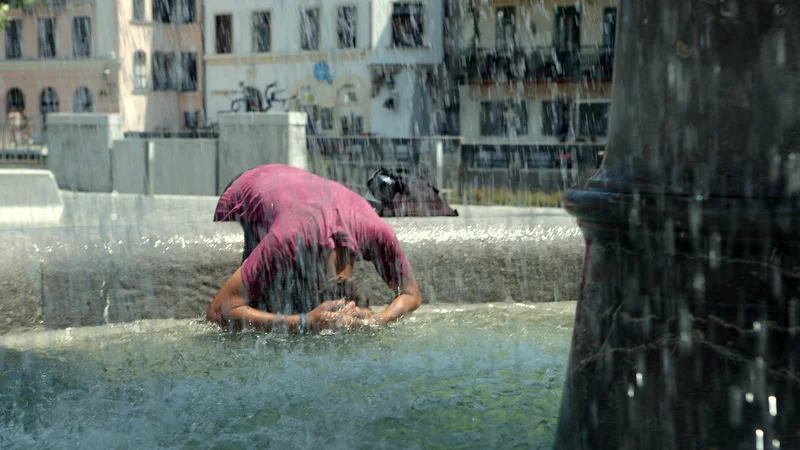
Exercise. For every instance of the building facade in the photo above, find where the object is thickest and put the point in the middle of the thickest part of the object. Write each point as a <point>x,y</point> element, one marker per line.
<point>139,58</point>
<point>52,59</point>
<point>160,48</point>
<point>535,73</point>
<point>364,67</point>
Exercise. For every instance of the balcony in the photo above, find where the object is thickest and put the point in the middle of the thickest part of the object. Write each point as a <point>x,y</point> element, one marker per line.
<point>534,64</point>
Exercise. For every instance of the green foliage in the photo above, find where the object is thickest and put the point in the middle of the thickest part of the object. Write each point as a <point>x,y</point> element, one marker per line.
<point>6,5</point>
<point>507,197</point>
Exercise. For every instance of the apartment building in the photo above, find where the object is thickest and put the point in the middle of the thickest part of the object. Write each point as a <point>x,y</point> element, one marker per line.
<point>139,58</point>
<point>52,59</point>
<point>535,73</point>
<point>160,47</point>
<point>365,67</point>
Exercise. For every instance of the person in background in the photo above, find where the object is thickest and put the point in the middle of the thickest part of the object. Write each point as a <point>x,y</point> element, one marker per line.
<point>15,122</point>
<point>302,231</point>
<point>26,128</point>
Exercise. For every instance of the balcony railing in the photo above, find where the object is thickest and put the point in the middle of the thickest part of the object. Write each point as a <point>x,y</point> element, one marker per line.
<point>535,64</point>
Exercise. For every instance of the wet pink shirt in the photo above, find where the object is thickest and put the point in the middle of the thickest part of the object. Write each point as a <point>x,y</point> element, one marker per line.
<point>293,212</point>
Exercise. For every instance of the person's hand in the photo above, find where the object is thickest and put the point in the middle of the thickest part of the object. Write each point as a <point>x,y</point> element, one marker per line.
<point>320,318</point>
<point>354,317</point>
<point>338,314</point>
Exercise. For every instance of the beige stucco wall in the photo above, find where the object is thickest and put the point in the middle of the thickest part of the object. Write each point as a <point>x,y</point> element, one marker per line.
<point>64,74</point>
<point>153,110</point>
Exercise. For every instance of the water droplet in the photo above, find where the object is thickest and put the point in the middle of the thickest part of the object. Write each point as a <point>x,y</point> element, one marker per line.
<point>749,397</point>
<point>113,216</point>
<point>776,443</point>
<point>759,440</point>
<point>639,380</point>
<point>773,406</point>
<point>756,326</point>
<point>630,391</point>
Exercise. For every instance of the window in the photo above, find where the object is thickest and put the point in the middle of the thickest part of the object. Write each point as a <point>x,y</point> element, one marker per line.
<point>174,11</point>
<point>309,29</point>
<point>346,27</point>
<point>352,125</point>
<point>609,27</point>
<point>82,101</point>
<point>326,118</point>
<point>593,119</point>
<point>140,70</point>
<point>262,34</point>
<point>506,27</point>
<point>48,103</point>
<point>163,10</point>
<point>504,118</point>
<point>187,11</point>
<point>81,37</point>
<point>491,159</point>
<point>15,99</point>
<point>224,28</point>
<point>173,74</point>
<point>138,9</point>
<point>190,119</point>
<point>188,72</point>
<point>47,37</point>
<point>14,39</point>
<point>164,73</point>
<point>555,118</point>
<point>313,116</point>
<point>407,30</point>
<point>567,36</point>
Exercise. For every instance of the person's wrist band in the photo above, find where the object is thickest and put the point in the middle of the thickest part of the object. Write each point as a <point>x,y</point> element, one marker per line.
<point>303,323</point>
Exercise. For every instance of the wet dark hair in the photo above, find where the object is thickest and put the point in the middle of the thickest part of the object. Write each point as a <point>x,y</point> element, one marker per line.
<point>345,288</point>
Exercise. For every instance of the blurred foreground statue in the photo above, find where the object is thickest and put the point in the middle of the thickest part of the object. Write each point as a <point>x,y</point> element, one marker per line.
<point>686,334</point>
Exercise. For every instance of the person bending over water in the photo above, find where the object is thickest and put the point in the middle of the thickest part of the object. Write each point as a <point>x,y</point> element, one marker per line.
<point>302,231</point>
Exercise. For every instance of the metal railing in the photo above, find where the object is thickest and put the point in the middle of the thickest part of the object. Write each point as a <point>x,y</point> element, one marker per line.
<point>535,64</point>
<point>530,156</point>
<point>18,137</point>
<point>351,160</point>
<point>204,133</point>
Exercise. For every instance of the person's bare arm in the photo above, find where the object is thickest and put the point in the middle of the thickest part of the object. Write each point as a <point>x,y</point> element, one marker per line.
<point>389,259</point>
<point>231,308</point>
<point>410,299</point>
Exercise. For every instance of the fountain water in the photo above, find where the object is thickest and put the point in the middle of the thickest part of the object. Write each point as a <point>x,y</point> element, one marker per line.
<point>685,333</point>
<point>93,373</point>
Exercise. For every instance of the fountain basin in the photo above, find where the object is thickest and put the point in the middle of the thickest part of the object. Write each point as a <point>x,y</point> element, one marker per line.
<point>448,376</point>
<point>116,271</point>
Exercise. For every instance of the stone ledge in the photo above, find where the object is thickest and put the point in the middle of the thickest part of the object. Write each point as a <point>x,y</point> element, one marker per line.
<point>69,277</point>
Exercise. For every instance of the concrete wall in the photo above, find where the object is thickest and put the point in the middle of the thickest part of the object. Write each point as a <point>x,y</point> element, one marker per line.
<point>29,196</point>
<point>79,155</point>
<point>126,272</point>
<point>129,166</point>
<point>250,140</point>
<point>182,166</point>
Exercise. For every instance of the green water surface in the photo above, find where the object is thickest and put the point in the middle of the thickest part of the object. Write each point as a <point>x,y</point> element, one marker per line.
<point>483,377</point>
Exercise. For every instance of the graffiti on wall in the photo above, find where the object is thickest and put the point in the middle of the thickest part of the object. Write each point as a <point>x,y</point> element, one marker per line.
<point>253,100</point>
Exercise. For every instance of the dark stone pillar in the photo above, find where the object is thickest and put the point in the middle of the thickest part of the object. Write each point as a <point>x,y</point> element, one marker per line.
<point>686,334</point>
